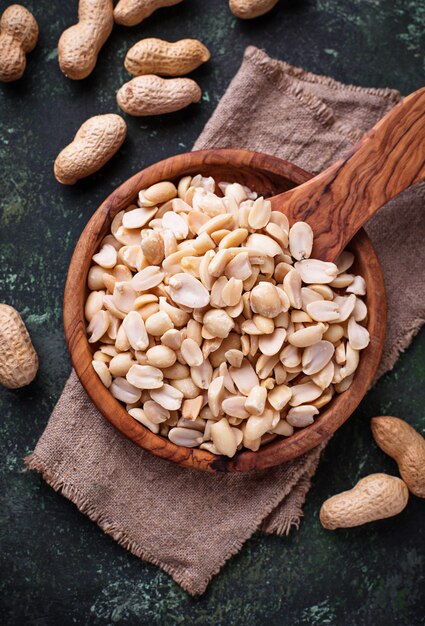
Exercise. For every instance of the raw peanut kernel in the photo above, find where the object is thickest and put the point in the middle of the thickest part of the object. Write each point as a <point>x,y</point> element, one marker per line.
<point>218,323</point>
<point>191,353</point>
<point>265,300</point>
<point>145,377</point>
<point>300,241</point>
<point>232,292</point>
<point>260,213</point>
<point>161,356</point>
<point>153,248</point>
<point>223,438</point>
<point>256,400</point>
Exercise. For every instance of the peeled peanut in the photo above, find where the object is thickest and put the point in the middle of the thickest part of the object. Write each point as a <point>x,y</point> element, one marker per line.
<point>153,248</point>
<point>264,300</point>
<point>247,9</point>
<point>96,141</point>
<point>223,437</point>
<point>156,56</point>
<point>18,35</point>
<point>153,95</point>
<point>375,497</point>
<point>80,44</point>
<point>406,446</point>
<point>120,364</point>
<point>18,359</point>
<point>161,356</point>
<point>132,12</point>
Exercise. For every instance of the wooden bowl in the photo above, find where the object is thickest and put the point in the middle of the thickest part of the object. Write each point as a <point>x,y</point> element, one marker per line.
<point>268,176</point>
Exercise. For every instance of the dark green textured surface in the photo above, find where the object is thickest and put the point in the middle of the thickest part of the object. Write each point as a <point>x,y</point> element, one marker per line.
<point>56,565</point>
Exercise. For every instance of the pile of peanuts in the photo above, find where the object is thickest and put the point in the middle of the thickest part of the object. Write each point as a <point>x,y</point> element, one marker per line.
<point>212,324</point>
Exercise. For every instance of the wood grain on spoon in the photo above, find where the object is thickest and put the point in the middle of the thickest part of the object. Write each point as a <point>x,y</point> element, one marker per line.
<point>388,160</point>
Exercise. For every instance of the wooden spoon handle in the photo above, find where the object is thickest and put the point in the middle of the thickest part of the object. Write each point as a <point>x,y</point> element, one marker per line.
<point>337,202</point>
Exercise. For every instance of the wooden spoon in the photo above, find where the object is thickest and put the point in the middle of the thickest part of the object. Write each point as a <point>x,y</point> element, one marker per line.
<point>338,201</point>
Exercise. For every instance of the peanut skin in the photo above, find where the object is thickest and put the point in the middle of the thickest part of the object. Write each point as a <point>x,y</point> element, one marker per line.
<point>248,9</point>
<point>79,45</point>
<point>18,35</point>
<point>406,446</point>
<point>152,95</point>
<point>132,12</point>
<point>97,140</point>
<point>375,497</point>
<point>155,56</point>
<point>18,359</point>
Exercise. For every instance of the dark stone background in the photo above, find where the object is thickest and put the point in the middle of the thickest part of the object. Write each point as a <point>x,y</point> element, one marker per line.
<point>56,566</point>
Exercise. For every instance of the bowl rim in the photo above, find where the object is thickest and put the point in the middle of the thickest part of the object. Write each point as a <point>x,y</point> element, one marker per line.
<point>279,450</point>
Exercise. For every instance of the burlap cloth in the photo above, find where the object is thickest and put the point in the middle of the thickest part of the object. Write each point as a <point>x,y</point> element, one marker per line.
<point>189,523</point>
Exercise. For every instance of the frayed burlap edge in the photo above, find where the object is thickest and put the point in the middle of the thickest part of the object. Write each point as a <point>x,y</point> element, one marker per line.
<point>180,575</point>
